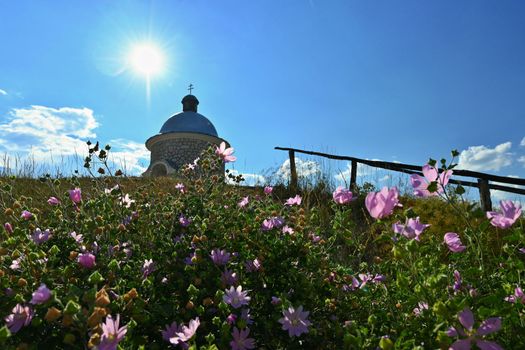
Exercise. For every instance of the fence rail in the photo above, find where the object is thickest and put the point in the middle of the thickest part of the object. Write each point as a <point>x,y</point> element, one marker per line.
<point>483,184</point>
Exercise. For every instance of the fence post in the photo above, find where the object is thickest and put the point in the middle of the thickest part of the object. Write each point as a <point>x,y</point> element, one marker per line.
<point>293,171</point>
<point>353,175</point>
<point>484,195</point>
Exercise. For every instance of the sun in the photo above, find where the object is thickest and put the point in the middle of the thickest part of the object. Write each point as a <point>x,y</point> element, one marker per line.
<point>146,59</point>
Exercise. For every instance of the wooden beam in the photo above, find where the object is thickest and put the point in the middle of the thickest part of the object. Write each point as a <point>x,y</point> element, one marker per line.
<point>484,195</point>
<point>293,171</point>
<point>353,175</point>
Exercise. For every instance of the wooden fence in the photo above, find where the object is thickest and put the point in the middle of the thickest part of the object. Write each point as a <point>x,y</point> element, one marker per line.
<point>482,183</point>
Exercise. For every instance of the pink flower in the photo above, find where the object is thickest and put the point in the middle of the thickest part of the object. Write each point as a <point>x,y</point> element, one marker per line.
<point>20,316</point>
<point>75,195</point>
<point>466,318</point>
<point>220,257</point>
<point>342,195</point>
<point>507,216</point>
<point>225,153</point>
<point>8,228</point>
<point>40,237</point>
<point>453,242</point>
<point>184,222</point>
<point>381,204</point>
<point>236,297</point>
<point>457,280</point>
<point>412,228</point>
<point>288,229</point>
<point>268,190</point>
<point>180,187</point>
<point>171,331</point>
<point>26,215</point>
<point>229,278</point>
<point>240,339</point>
<point>243,202</point>
<point>421,306</point>
<point>253,266</point>
<point>53,201</point>
<point>421,184</point>
<point>517,296</point>
<point>112,334</point>
<point>186,333</point>
<point>41,295</point>
<point>87,260</point>
<point>293,201</point>
<point>295,321</point>
<point>273,222</point>
<point>147,268</point>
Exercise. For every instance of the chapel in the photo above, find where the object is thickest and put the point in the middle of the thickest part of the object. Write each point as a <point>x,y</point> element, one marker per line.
<point>181,139</point>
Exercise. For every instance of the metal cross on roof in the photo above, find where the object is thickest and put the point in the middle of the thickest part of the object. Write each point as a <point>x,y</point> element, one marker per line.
<point>190,88</point>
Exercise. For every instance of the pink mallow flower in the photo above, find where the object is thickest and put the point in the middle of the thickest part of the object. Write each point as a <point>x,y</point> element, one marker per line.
<point>507,216</point>
<point>517,296</point>
<point>53,201</point>
<point>41,295</point>
<point>186,333</point>
<point>457,280</point>
<point>293,200</point>
<point>26,215</point>
<point>453,242</point>
<point>244,202</point>
<point>236,297</point>
<point>147,268</point>
<point>75,195</point>
<point>180,187</point>
<point>412,228</point>
<point>225,153</point>
<point>381,204</point>
<point>466,318</point>
<point>184,221</point>
<point>20,316</point>
<point>40,237</point>
<point>240,339</point>
<point>220,257</point>
<point>87,260</point>
<point>8,228</point>
<point>268,190</point>
<point>421,306</point>
<point>112,334</point>
<point>342,195</point>
<point>295,321</point>
<point>273,222</point>
<point>420,183</point>
<point>171,331</point>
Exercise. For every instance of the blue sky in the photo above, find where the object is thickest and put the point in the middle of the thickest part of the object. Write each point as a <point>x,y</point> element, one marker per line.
<point>390,80</point>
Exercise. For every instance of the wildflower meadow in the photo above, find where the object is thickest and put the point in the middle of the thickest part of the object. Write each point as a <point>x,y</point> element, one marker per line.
<point>193,262</point>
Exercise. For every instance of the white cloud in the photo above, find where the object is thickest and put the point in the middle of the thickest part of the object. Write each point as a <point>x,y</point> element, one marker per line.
<point>482,158</point>
<point>497,195</point>
<point>304,168</point>
<point>385,178</point>
<point>522,160</point>
<point>362,171</point>
<point>3,92</point>
<point>128,156</point>
<point>249,179</point>
<point>44,134</point>
<point>44,130</point>
<point>522,143</point>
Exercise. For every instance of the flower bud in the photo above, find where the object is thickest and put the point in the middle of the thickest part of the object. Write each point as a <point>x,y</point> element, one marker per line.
<point>52,314</point>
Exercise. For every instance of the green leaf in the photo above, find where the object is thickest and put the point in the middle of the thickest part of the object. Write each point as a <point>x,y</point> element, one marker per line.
<point>460,190</point>
<point>432,187</point>
<point>4,334</point>
<point>95,277</point>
